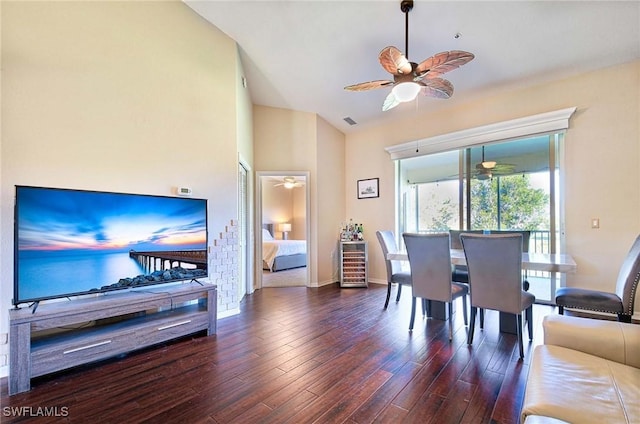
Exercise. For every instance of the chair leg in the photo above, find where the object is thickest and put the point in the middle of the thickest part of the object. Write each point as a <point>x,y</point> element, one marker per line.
<point>399,292</point>
<point>450,321</point>
<point>519,329</point>
<point>472,321</point>
<point>561,309</point>
<point>413,313</point>
<point>427,307</point>
<point>529,318</point>
<point>464,310</point>
<point>481,318</point>
<point>386,302</point>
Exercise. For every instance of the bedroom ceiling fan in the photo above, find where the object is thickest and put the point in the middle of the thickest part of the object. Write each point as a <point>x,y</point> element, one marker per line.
<point>486,169</point>
<point>290,182</point>
<point>410,78</point>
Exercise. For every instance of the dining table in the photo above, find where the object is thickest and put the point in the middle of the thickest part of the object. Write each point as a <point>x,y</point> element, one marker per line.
<point>551,262</point>
<point>532,261</point>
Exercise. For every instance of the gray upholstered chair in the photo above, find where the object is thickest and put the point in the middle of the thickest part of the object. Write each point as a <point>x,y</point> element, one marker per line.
<point>460,272</point>
<point>620,303</point>
<point>495,278</point>
<point>395,273</point>
<point>430,263</point>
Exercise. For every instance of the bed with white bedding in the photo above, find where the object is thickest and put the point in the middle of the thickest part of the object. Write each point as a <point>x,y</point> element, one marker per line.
<point>278,255</point>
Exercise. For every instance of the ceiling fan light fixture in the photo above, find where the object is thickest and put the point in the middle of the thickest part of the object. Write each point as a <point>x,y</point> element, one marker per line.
<point>406,91</point>
<point>410,78</point>
<point>289,184</point>
<point>489,164</point>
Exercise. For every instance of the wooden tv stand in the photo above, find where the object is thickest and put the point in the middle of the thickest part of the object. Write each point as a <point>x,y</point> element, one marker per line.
<point>65,334</point>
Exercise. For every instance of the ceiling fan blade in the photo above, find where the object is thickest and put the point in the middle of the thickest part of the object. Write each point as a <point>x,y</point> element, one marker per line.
<point>442,63</point>
<point>394,62</point>
<point>504,167</point>
<point>390,102</point>
<point>371,85</point>
<point>437,87</point>
<point>499,170</point>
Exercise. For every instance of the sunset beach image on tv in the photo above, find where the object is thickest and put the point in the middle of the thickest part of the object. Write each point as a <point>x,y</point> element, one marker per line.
<point>70,242</point>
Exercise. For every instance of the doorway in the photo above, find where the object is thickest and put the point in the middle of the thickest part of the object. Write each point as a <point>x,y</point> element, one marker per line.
<point>282,229</point>
<point>244,235</point>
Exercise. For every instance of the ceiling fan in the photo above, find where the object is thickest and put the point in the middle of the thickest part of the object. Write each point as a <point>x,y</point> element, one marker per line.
<point>289,183</point>
<point>410,78</point>
<point>486,169</point>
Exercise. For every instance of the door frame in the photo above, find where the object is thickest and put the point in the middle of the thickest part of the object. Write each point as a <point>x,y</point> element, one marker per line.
<point>260,176</point>
<point>245,286</point>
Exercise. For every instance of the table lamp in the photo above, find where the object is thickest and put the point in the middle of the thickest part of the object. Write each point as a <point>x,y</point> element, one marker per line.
<point>284,228</point>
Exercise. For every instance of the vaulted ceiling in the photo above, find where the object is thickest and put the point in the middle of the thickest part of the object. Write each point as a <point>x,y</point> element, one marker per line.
<point>301,54</point>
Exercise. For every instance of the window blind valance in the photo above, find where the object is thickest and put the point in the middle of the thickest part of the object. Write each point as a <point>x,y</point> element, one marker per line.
<point>543,123</point>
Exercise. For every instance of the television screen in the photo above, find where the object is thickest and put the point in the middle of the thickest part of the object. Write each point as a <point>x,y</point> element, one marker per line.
<point>72,242</point>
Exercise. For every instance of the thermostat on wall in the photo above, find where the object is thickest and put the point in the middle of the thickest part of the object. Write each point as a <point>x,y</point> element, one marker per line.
<point>184,191</point>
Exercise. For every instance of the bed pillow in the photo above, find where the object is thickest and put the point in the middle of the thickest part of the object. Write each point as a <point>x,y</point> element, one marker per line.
<point>266,235</point>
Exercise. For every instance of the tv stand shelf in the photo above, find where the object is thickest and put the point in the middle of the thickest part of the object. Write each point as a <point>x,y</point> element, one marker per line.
<point>66,334</point>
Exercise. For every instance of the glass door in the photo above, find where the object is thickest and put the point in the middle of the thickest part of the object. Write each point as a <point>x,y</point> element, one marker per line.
<point>496,187</point>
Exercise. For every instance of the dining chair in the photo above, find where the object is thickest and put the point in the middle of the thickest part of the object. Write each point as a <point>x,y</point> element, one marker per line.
<point>461,273</point>
<point>620,303</point>
<point>395,272</point>
<point>526,236</point>
<point>495,279</point>
<point>430,261</point>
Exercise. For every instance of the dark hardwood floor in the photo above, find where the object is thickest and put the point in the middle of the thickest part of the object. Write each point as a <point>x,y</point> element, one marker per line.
<point>298,355</point>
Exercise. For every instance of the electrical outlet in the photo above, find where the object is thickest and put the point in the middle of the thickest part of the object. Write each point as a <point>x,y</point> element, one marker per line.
<point>4,338</point>
<point>595,222</point>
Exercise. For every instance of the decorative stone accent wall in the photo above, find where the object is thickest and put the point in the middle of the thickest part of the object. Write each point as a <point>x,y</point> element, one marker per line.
<point>223,267</point>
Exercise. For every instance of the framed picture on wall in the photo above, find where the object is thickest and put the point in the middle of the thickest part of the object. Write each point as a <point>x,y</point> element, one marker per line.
<point>368,188</point>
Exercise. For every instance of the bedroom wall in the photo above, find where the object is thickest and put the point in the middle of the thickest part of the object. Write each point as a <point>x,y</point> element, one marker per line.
<point>298,214</point>
<point>601,164</point>
<point>277,206</point>
<point>283,205</point>
<point>134,97</point>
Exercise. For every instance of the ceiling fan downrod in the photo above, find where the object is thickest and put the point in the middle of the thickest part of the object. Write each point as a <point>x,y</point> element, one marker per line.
<point>406,6</point>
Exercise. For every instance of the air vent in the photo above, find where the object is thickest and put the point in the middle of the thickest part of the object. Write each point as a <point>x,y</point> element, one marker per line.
<point>349,121</point>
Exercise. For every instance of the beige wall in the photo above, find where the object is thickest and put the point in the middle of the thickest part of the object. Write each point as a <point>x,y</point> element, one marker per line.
<point>331,194</point>
<point>601,163</point>
<point>136,97</point>
<point>298,214</point>
<point>286,140</point>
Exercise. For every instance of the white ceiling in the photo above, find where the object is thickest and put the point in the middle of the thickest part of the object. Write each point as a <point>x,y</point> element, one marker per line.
<point>301,54</point>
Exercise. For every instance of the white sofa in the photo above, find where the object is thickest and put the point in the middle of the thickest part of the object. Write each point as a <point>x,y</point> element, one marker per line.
<point>587,371</point>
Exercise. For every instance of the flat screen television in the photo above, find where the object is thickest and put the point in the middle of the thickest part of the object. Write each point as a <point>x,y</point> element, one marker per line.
<point>74,242</point>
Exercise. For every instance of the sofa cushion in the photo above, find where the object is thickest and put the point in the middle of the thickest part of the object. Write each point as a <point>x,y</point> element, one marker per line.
<point>581,388</point>
<point>537,419</point>
<point>616,341</point>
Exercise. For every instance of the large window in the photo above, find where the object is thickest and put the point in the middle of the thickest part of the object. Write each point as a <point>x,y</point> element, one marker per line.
<point>500,186</point>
